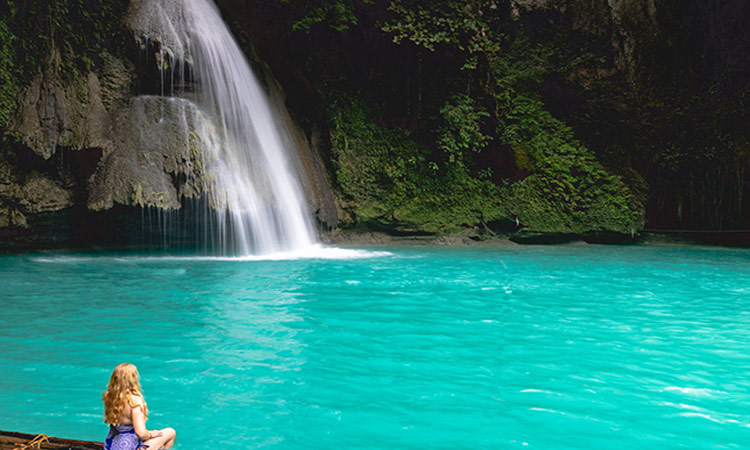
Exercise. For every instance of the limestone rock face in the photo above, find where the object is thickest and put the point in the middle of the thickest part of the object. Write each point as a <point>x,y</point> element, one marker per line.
<point>634,23</point>
<point>23,195</point>
<point>630,25</point>
<point>129,150</point>
<point>163,149</point>
<point>59,114</point>
<point>157,158</point>
<point>40,193</point>
<point>70,113</point>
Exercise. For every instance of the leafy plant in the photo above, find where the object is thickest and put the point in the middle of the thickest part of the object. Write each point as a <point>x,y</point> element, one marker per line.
<point>339,15</point>
<point>461,133</point>
<point>455,24</point>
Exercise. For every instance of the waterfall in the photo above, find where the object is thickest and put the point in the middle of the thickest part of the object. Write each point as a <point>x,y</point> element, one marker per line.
<point>250,181</point>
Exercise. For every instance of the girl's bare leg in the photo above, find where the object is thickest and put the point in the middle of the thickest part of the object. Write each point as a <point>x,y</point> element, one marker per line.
<point>166,440</point>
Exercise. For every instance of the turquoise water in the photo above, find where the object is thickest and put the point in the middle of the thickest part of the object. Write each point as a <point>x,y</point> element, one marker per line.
<point>570,347</point>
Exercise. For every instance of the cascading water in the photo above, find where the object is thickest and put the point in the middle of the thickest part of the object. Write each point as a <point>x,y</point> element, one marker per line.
<point>252,190</point>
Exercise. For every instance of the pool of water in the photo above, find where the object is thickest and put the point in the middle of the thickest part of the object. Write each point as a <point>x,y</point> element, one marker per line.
<point>568,347</point>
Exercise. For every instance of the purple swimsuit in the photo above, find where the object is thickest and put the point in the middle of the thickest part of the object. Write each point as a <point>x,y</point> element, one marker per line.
<point>122,437</point>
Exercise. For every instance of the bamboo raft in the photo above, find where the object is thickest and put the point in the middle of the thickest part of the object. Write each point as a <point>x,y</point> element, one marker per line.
<point>10,440</point>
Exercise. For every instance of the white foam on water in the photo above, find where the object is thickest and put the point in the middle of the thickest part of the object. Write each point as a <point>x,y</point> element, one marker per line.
<point>316,251</point>
<point>313,252</point>
<point>553,411</point>
<point>695,392</point>
<point>682,406</point>
<point>61,259</point>
<point>702,416</point>
<point>540,391</point>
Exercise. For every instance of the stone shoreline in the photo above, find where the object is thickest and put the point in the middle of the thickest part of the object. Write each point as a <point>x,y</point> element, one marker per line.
<point>374,238</point>
<point>362,237</point>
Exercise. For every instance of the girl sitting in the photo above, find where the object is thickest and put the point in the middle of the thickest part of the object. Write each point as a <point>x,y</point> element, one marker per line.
<point>126,413</point>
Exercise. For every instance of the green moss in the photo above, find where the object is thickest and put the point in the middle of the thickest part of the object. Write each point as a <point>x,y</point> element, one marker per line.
<point>79,29</point>
<point>568,189</point>
<point>394,182</point>
<point>8,74</point>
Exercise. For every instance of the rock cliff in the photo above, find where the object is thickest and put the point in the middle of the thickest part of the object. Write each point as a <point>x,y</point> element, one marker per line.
<point>611,107</point>
<point>82,143</point>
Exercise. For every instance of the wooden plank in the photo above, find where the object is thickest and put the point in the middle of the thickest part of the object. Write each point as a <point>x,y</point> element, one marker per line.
<point>11,439</point>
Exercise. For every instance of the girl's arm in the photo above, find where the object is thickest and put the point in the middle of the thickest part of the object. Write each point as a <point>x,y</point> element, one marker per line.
<point>138,416</point>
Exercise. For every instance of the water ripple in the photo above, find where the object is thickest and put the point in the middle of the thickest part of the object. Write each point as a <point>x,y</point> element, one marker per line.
<point>552,347</point>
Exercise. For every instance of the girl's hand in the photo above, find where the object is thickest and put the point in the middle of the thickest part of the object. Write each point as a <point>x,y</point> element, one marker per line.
<point>155,434</point>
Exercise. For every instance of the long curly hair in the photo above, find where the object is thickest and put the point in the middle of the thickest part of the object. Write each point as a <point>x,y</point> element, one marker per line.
<point>123,384</point>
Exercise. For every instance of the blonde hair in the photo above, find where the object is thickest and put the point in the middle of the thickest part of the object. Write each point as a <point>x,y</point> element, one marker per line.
<point>123,384</point>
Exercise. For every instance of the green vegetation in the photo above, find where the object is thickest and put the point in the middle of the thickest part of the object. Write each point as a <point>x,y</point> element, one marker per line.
<point>395,182</point>
<point>484,99</point>
<point>9,75</point>
<point>31,32</point>
<point>461,132</point>
<point>568,189</point>
<point>445,115</point>
<point>339,15</point>
<point>455,24</point>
